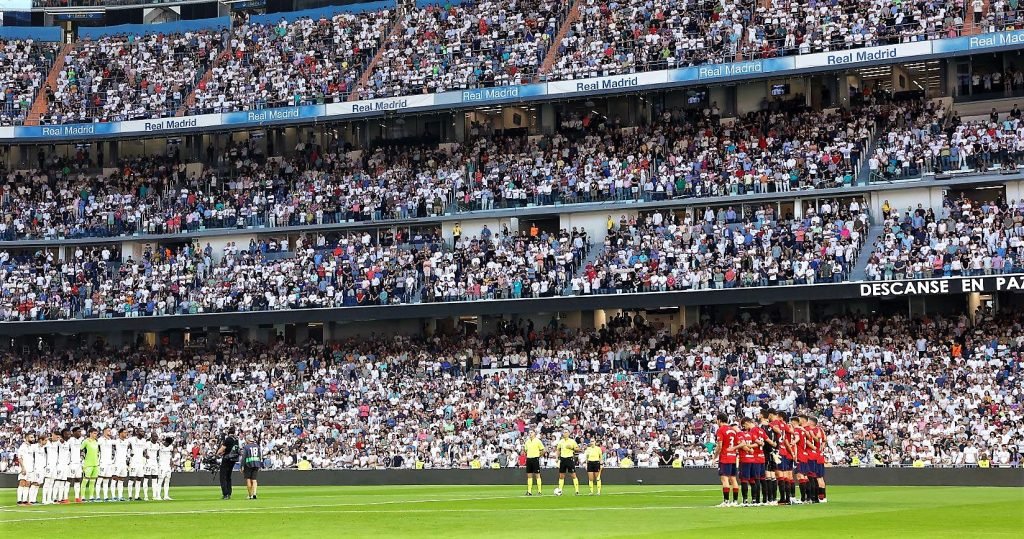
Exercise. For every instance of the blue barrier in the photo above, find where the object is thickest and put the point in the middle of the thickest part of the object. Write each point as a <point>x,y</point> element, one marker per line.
<point>44,33</point>
<point>161,28</point>
<point>321,12</point>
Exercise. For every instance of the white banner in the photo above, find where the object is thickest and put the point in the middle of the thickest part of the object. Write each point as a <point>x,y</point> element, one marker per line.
<point>388,104</point>
<point>886,54</point>
<point>170,124</point>
<point>614,82</point>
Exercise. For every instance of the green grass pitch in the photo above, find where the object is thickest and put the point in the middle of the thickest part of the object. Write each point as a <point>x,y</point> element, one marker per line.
<point>503,511</point>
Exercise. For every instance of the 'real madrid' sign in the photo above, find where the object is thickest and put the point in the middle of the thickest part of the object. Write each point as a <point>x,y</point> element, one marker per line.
<point>947,285</point>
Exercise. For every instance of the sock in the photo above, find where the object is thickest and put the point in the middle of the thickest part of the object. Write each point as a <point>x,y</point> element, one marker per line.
<point>812,490</point>
<point>735,495</point>
<point>755,489</point>
<point>78,490</point>
<point>725,493</point>
<point>539,483</point>
<point>744,487</point>
<point>21,493</point>
<point>167,486</point>
<point>576,483</point>
<point>66,490</point>
<point>772,490</point>
<point>33,491</point>
<point>561,483</point>
<point>591,483</point>
<point>120,488</point>
<point>529,485</point>
<point>47,490</point>
<point>821,493</point>
<point>599,484</point>
<point>803,489</point>
<point>104,491</point>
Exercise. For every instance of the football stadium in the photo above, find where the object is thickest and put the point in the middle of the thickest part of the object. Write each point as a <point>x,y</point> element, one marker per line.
<point>532,268</point>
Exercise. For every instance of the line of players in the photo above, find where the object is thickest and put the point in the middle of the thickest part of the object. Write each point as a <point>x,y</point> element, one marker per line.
<point>770,458</point>
<point>97,466</point>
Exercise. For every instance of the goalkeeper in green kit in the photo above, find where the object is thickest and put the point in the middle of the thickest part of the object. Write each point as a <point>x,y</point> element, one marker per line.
<point>90,465</point>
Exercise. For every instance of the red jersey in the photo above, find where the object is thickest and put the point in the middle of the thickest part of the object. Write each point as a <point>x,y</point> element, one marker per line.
<point>785,440</point>
<point>758,437</point>
<point>801,439</point>
<point>819,436</point>
<point>726,439</point>
<point>747,454</point>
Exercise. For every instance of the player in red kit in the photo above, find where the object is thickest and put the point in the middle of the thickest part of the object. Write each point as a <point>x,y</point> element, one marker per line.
<point>751,461</point>
<point>800,444</point>
<point>784,473</point>
<point>819,466</point>
<point>725,451</point>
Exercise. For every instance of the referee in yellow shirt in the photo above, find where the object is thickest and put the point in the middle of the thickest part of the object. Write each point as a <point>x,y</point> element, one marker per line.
<point>534,450</point>
<point>595,462</point>
<point>567,448</point>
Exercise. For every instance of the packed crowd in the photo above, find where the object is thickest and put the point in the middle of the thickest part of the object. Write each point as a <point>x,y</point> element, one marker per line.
<point>969,238</point>
<point>637,35</point>
<point>24,65</point>
<point>660,252</point>
<point>469,45</point>
<point>303,62</point>
<point>886,390</point>
<point>933,140</point>
<point>130,77</point>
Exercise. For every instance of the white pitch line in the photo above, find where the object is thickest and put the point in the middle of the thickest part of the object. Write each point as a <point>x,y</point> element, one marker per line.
<point>299,508</point>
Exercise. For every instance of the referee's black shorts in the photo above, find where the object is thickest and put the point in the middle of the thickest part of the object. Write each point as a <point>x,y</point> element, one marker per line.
<point>593,466</point>
<point>250,473</point>
<point>567,465</point>
<point>533,465</point>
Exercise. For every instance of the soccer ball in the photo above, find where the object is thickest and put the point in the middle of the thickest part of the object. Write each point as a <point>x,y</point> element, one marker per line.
<point>558,492</point>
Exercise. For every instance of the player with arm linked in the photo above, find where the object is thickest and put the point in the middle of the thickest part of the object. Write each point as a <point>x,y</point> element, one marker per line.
<point>725,454</point>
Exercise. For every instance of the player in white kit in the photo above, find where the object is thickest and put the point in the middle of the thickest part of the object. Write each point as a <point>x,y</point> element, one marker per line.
<point>50,449</point>
<point>28,479</point>
<point>120,470</point>
<point>164,455</point>
<point>149,481</point>
<point>61,486</point>
<point>75,469</point>
<point>137,466</point>
<point>105,483</point>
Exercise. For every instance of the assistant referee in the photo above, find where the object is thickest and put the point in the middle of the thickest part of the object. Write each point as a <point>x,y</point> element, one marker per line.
<point>567,448</point>
<point>595,460</point>
<point>534,449</point>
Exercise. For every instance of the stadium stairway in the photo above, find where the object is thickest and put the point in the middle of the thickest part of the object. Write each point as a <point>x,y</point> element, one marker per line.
<point>364,79</point>
<point>874,233</point>
<point>552,55</point>
<point>39,104</point>
<point>969,27</point>
<point>595,251</point>
<point>190,101</point>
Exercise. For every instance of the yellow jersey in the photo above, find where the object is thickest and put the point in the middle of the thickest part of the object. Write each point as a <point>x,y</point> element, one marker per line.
<point>534,447</point>
<point>594,454</point>
<point>567,447</point>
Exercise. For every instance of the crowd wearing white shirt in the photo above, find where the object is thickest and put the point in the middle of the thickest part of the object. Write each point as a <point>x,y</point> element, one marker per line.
<point>24,65</point>
<point>886,391</point>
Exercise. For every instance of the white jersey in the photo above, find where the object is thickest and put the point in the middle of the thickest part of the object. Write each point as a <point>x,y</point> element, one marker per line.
<point>164,454</point>
<point>75,451</point>
<point>106,446</point>
<point>152,450</point>
<point>138,447</point>
<point>27,457</point>
<point>51,456</point>
<point>120,452</point>
<point>39,461</point>
<point>63,455</point>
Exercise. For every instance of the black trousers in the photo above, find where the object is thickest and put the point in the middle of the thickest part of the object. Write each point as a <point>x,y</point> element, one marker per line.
<point>226,466</point>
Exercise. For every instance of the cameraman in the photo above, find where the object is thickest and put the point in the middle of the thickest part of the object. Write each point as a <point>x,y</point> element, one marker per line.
<point>228,454</point>
<point>252,461</point>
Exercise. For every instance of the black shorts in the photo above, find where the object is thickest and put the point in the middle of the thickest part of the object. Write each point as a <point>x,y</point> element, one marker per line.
<point>533,465</point>
<point>769,462</point>
<point>567,465</point>
<point>593,467</point>
<point>250,473</point>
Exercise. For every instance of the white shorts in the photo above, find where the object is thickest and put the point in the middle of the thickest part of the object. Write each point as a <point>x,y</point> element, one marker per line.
<point>150,469</point>
<point>119,470</point>
<point>163,472</point>
<point>62,473</point>
<point>35,476</point>
<point>137,469</point>
<point>23,477</point>
<point>107,469</point>
<point>50,472</point>
<point>75,471</point>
